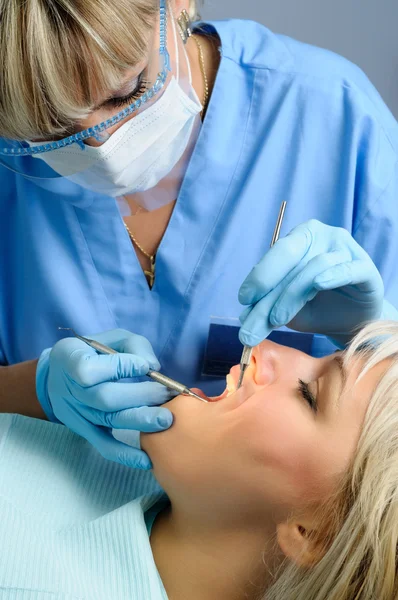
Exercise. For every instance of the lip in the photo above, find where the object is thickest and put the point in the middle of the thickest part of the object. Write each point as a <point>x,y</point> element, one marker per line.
<point>200,393</point>
<point>220,397</point>
<point>232,397</point>
<point>236,399</point>
<point>249,373</point>
<point>209,399</point>
<point>236,395</point>
<point>235,372</point>
<point>227,400</point>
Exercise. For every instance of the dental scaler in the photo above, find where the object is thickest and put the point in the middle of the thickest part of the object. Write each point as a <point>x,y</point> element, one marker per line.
<point>247,350</point>
<point>155,375</point>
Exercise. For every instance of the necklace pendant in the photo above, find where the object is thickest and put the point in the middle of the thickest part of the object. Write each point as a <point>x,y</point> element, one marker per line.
<point>150,275</point>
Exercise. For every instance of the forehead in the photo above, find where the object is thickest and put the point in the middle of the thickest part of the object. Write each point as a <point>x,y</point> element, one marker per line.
<point>348,414</point>
<point>359,387</point>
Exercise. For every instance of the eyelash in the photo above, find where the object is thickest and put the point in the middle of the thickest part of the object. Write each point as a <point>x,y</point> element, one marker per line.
<point>139,90</point>
<point>307,395</point>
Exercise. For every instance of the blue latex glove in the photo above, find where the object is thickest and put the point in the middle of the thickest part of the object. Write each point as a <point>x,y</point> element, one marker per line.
<point>81,389</point>
<point>316,279</point>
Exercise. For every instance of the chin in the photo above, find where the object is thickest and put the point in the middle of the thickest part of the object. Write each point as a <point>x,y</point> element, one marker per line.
<point>189,415</point>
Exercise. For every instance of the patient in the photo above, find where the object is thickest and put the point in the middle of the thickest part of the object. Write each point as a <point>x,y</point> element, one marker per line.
<point>286,489</point>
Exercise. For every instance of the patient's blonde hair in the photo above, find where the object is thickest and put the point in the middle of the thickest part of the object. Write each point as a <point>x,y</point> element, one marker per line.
<point>56,54</point>
<point>360,560</point>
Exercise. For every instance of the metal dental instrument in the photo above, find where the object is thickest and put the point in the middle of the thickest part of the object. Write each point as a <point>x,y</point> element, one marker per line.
<point>247,350</point>
<point>155,375</point>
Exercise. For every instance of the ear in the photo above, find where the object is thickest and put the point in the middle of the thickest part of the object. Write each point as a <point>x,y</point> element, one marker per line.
<point>299,544</point>
<point>179,5</point>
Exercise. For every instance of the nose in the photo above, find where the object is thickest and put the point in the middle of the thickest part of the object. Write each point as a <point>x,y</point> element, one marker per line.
<point>265,362</point>
<point>274,362</point>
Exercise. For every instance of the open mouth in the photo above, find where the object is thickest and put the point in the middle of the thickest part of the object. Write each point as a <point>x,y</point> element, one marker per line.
<point>230,388</point>
<point>231,382</point>
<point>233,378</point>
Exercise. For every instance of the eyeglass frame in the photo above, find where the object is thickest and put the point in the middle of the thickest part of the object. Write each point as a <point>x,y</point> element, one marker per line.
<point>94,132</point>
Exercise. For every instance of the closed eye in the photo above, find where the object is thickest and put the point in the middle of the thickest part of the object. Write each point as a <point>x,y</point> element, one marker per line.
<point>307,395</point>
<point>139,90</point>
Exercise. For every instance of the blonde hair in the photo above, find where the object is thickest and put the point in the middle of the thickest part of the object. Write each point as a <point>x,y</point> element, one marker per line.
<point>55,56</point>
<point>360,559</point>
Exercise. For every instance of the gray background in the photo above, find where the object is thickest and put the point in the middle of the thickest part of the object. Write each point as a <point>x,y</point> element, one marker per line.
<point>364,31</point>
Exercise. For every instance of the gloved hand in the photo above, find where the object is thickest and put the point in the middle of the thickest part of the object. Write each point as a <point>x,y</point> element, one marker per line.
<point>81,389</point>
<point>316,279</point>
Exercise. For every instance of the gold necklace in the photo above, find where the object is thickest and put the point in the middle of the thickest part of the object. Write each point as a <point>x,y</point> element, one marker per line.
<point>203,71</point>
<point>150,275</point>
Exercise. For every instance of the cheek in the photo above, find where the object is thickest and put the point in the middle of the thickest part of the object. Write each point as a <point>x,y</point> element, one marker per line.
<point>282,445</point>
<point>285,442</point>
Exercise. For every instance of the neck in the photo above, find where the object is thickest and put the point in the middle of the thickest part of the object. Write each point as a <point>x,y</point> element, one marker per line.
<point>211,58</point>
<point>201,558</point>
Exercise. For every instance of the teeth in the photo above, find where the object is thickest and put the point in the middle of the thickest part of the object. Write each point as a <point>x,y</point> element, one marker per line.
<point>231,388</point>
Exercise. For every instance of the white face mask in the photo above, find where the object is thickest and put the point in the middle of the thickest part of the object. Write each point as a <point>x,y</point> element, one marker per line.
<point>140,153</point>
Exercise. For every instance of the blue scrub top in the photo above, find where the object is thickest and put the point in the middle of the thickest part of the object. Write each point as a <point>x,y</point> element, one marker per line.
<point>286,121</point>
